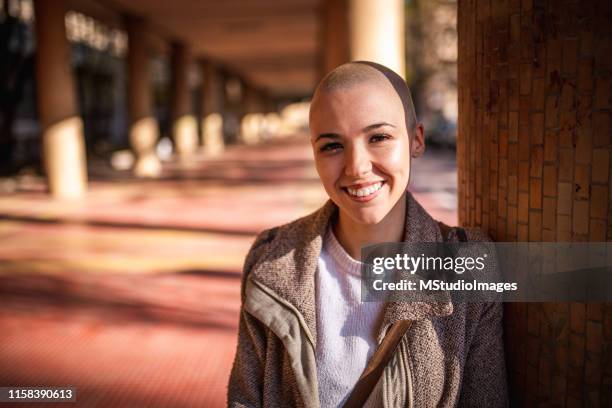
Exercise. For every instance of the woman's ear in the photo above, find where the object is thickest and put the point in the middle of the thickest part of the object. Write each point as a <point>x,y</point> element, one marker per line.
<point>417,144</point>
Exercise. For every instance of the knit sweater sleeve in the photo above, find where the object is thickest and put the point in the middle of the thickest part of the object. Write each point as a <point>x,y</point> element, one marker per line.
<point>484,380</point>
<point>245,388</point>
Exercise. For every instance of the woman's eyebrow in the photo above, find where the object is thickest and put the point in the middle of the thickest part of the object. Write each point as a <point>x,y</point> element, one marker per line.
<point>365,129</point>
<point>376,126</point>
<point>328,136</point>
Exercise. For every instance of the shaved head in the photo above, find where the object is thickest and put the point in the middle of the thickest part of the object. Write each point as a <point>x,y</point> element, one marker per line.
<point>359,72</point>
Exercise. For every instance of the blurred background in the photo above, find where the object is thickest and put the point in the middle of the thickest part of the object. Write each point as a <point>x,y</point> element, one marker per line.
<point>145,143</point>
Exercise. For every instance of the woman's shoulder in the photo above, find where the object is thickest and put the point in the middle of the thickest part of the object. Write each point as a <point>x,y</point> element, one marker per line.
<point>283,231</point>
<point>472,234</point>
<point>278,240</point>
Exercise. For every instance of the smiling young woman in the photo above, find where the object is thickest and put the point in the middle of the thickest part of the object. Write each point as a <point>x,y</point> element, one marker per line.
<point>305,336</point>
<point>362,147</point>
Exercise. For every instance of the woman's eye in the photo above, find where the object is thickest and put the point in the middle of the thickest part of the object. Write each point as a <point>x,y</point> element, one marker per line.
<point>330,147</point>
<point>379,137</point>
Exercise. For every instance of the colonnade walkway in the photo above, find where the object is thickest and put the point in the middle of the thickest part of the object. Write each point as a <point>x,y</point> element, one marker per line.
<point>132,294</point>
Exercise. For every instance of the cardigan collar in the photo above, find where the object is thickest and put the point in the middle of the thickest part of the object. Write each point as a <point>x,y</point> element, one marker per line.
<point>290,261</point>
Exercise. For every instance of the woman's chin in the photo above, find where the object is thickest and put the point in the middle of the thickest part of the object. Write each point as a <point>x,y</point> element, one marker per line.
<point>368,216</point>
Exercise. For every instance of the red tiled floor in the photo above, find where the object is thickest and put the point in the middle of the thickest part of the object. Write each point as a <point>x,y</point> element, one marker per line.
<point>132,294</point>
<point>146,340</point>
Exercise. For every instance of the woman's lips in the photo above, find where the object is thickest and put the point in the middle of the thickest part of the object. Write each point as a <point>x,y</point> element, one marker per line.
<point>365,191</point>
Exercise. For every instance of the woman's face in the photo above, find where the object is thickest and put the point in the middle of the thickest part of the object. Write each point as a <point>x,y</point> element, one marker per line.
<point>361,148</point>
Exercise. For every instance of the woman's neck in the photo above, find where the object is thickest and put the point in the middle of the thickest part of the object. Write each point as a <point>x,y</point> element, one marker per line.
<point>353,235</point>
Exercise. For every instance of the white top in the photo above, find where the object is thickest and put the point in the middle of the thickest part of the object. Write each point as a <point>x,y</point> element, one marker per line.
<point>346,327</point>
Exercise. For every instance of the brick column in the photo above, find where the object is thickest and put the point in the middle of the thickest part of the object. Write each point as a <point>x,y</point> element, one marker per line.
<point>62,127</point>
<point>533,151</point>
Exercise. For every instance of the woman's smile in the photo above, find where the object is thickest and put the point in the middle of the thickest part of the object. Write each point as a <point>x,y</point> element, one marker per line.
<point>364,192</point>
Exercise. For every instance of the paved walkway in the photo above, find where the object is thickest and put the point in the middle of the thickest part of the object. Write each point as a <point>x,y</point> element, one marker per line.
<point>132,294</point>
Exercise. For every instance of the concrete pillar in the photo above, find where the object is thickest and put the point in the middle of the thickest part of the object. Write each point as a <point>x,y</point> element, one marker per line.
<point>533,154</point>
<point>144,131</point>
<point>271,118</point>
<point>252,121</point>
<point>334,35</point>
<point>213,100</point>
<point>62,127</point>
<point>233,109</point>
<point>376,32</point>
<point>184,125</point>
<point>270,104</point>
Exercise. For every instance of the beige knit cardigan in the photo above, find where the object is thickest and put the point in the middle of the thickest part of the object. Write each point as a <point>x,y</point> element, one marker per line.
<point>452,355</point>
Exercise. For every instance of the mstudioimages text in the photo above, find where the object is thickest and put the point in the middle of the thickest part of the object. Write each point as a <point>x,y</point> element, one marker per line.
<point>440,285</point>
<point>413,264</point>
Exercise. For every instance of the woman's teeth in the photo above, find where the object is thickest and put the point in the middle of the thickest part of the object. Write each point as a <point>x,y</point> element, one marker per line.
<point>365,191</point>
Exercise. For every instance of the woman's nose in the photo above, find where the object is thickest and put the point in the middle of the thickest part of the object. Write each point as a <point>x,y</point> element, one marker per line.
<point>357,163</point>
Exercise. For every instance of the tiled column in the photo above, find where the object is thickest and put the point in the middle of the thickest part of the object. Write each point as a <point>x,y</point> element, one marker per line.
<point>213,95</point>
<point>184,125</point>
<point>144,130</point>
<point>533,151</point>
<point>63,144</point>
